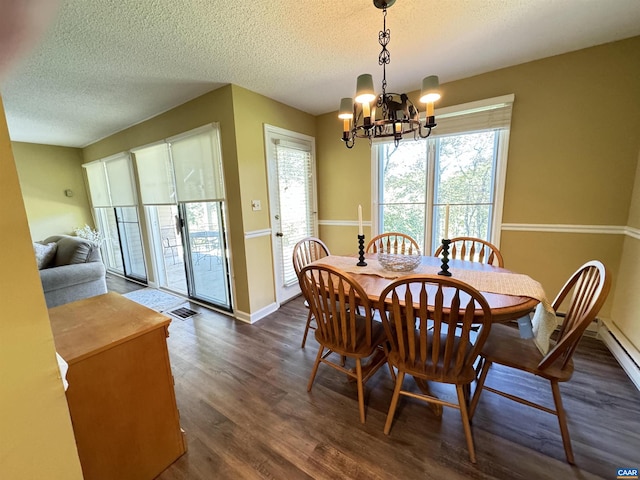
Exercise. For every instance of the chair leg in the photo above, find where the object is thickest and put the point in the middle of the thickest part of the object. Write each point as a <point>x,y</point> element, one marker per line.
<point>315,368</point>
<point>394,402</point>
<point>486,365</point>
<point>306,329</point>
<point>360,389</point>
<point>562,420</point>
<point>462,401</point>
<point>385,347</point>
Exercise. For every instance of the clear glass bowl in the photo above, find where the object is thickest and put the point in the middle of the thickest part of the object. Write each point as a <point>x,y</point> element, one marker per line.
<point>399,262</point>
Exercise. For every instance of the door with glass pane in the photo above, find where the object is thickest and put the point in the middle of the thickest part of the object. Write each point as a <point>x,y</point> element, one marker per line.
<point>293,204</point>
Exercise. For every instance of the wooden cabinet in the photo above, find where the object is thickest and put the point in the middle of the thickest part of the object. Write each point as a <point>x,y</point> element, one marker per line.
<point>121,396</point>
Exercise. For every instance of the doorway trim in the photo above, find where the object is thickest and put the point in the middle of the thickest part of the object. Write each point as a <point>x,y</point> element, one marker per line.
<point>271,135</point>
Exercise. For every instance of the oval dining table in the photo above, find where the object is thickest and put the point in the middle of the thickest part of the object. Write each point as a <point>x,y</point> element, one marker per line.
<point>504,307</point>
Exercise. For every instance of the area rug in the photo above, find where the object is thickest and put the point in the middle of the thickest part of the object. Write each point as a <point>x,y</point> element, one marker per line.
<point>155,299</point>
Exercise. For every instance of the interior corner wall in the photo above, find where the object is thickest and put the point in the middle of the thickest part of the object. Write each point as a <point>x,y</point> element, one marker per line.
<point>215,106</point>
<point>241,115</point>
<point>572,160</point>
<point>37,437</point>
<point>626,301</point>
<point>344,182</point>
<point>251,112</point>
<point>45,173</point>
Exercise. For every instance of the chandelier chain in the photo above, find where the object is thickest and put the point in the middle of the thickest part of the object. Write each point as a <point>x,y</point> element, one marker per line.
<point>385,57</point>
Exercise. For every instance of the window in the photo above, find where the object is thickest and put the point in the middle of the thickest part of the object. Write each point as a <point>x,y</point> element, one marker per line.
<point>462,164</point>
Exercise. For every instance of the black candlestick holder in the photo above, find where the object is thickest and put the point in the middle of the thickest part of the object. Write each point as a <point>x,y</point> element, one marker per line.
<point>445,258</point>
<point>361,263</point>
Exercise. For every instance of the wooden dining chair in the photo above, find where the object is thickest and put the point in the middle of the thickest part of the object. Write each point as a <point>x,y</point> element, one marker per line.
<point>474,250</point>
<point>590,285</point>
<point>420,314</point>
<point>306,251</point>
<point>392,242</point>
<point>334,297</point>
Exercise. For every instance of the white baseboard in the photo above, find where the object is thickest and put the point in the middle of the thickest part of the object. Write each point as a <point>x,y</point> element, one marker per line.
<point>255,316</point>
<point>627,355</point>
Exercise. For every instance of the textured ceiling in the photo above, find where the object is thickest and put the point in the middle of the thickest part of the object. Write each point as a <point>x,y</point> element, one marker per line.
<point>103,65</point>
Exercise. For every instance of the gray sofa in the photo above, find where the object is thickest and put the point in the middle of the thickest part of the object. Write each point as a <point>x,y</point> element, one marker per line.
<point>75,272</point>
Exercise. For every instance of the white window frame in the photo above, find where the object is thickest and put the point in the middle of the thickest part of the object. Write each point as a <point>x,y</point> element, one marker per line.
<point>499,178</point>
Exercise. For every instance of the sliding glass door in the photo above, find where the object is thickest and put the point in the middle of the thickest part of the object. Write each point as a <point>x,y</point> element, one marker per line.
<point>205,246</point>
<point>182,189</point>
<point>122,251</point>
<point>114,198</point>
<point>190,250</point>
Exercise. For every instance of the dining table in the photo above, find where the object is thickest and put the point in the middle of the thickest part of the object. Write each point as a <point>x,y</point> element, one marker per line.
<point>510,295</point>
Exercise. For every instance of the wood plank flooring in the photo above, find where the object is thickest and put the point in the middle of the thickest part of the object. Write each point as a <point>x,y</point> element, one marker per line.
<point>241,392</point>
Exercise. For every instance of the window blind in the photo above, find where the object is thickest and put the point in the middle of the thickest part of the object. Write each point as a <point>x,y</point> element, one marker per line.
<point>120,178</point>
<point>295,181</point>
<point>476,116</point>
<point>111,182</point>
<point>98,186</point>
<point>155,175</point>
<point>197,164</point>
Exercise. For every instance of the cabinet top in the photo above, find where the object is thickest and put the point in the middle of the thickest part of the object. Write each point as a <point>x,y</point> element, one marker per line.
<point>87,327</point>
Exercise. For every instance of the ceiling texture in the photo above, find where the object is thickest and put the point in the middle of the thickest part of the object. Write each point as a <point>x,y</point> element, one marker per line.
<point>105,65</point>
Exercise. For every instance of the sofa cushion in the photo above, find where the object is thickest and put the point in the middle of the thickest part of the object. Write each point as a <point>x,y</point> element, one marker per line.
<point>72,250</point>
<point>44,253</point>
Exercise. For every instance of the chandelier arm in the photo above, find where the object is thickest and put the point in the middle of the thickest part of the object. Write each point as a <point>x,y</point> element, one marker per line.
<point>420,131</point>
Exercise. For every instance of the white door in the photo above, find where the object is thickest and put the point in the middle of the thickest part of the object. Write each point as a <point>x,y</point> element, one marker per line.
<point>292,195</point>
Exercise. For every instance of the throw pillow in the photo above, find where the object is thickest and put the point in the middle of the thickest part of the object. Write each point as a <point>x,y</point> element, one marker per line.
<point>44,253</point>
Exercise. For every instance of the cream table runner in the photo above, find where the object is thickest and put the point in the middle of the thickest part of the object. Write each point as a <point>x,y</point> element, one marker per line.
<point>544,320</point>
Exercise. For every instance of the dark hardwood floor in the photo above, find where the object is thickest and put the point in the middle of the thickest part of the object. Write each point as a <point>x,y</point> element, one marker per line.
<point>241,392</point>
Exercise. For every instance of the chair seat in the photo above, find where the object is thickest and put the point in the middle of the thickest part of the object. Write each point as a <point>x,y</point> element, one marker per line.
<point>378,337</point>
<point>506,347</point>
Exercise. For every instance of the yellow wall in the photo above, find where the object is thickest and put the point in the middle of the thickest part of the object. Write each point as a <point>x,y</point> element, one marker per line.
<point>241,115</point>
<point>251,112</point>
<point>45,173</point>
<point>215,106</point>
<point>37,438</point>
<point>344,182</point>
<point>573,156</point>
<point>626,302</point>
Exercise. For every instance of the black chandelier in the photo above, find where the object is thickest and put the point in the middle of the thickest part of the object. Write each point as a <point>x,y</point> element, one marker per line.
<point>398,114</point>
